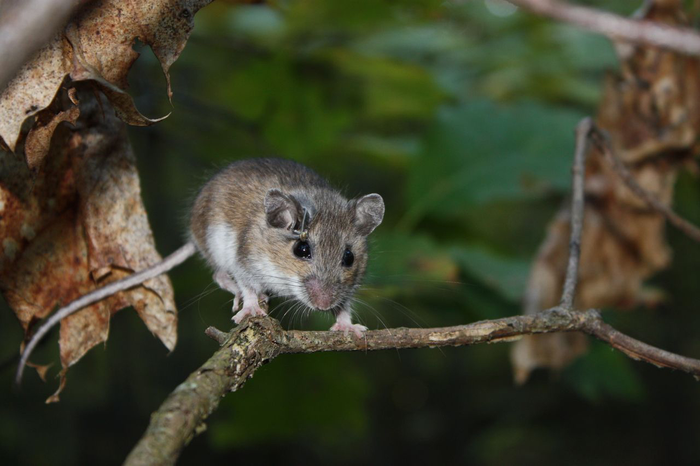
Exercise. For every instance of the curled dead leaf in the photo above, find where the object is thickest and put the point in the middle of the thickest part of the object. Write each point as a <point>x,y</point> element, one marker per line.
<point>76,225</point>
<point>71,217</point>
<point>33,89</point>
<point>98,46</point>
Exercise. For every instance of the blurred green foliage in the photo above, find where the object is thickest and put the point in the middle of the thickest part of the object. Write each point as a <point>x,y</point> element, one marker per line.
<point>461,114</point>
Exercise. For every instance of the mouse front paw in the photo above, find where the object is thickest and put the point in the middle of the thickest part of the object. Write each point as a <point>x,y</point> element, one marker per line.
<point>248,311</point>
<point>345,327</point>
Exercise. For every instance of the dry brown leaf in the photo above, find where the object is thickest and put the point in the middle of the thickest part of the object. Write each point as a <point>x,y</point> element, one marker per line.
<point>74,220</point>
<point>652,112</point>
<point>76,225</point>
<point>98,46</point>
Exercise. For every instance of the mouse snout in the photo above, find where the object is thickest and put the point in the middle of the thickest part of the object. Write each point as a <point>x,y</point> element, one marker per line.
<point>321,295</point>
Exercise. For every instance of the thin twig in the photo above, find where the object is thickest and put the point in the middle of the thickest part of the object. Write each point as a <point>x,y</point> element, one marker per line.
<point>583,130</point>
<point>680,39</point>
<point>554,320</point>
<point>179,256</point>
<point>216,335</point>
<point>603,144</point>
<point>641,351</point>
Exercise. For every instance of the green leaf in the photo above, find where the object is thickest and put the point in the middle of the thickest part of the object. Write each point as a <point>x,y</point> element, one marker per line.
<point>390,89</point>
<point>259,22</point>
<point>480,152</point>
<point>294,396</point>
<point>605,373</point>
<point>400,259</point>
<point>502,274</point>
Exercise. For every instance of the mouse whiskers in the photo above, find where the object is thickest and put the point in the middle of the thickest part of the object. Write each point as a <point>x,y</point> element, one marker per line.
<point>377,314</point>
<point>287,300</point>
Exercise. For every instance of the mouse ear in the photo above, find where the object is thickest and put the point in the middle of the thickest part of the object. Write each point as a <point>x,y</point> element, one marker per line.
<point>369,212</point>
<point>282,211</point>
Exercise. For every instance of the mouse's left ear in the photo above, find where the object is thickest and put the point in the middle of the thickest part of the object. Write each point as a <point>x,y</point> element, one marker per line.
<point>369,212</point>
<point>281,210</point>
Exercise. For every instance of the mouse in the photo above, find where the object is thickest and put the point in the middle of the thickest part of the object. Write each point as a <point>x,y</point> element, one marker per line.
<point>267,227</point>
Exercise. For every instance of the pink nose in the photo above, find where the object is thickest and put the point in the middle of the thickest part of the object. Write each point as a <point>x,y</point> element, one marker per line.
<point>319,295</point>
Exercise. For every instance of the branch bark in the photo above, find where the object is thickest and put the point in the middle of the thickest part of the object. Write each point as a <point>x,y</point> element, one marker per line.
<point>683,40</point>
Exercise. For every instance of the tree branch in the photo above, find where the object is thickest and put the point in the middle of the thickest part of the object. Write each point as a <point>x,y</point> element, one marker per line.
<point>683,40</point>
<point>259,340</point>
<point>181,416</point>
<point>557,319</point>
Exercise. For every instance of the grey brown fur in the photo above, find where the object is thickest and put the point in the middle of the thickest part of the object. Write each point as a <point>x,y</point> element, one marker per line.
<point>236,198</point>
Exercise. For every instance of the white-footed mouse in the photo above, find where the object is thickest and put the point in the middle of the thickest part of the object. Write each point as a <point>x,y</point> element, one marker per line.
<point>267,226</point>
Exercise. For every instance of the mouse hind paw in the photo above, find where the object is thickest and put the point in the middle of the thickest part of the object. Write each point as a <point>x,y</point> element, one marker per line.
<point>252,305</point>
<point>248,311</point>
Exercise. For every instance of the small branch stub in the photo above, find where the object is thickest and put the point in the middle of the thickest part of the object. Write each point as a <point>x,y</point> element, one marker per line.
<point>216,335</point>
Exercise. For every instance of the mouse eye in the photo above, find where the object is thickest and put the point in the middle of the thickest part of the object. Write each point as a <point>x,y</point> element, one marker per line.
<point>302,250</point>
<point>348,258</point>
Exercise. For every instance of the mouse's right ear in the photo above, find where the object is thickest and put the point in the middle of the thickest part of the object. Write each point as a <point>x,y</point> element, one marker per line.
<point>369,212</point>
<point>281,210</point>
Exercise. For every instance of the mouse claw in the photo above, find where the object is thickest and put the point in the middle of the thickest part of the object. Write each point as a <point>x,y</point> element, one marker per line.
<point>345,327</point>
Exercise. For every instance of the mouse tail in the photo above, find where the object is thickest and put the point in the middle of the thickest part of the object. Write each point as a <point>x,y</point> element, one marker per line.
<point>168,263</point>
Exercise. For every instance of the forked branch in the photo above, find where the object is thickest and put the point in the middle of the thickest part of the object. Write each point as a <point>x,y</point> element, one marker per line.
<point>259,340</point>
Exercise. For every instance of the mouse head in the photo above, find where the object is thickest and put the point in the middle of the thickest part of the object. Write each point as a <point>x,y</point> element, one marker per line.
<point>322,239</point>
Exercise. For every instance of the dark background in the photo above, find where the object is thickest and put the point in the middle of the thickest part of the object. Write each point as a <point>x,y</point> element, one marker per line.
<point>461,115</point>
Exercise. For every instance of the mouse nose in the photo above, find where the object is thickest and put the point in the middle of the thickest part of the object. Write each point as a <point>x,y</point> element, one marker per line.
<point>321,295</point>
